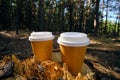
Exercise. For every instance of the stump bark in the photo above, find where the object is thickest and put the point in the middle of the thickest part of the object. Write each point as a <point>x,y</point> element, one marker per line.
<point>29,69</point>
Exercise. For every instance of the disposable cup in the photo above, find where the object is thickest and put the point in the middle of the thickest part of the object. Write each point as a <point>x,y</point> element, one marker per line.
<point>41,43</point>
<point>73,47</point>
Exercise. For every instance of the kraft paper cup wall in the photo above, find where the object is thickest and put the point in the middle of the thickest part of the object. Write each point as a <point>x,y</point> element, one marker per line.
<point>73,47</point>
<point>42,44</point>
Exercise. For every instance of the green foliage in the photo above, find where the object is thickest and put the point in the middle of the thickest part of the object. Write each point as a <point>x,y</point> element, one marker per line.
<point>112,29</point>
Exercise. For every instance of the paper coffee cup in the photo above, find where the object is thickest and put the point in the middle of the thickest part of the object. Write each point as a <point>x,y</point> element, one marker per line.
<point>41,43</point>
<point>73,47</point>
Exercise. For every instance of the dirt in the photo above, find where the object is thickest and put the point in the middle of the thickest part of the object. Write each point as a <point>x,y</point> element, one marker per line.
<point>103,54</point>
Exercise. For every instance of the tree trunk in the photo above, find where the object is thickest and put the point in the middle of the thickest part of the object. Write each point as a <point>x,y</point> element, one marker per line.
<point>81,12</point>
<point>41,15</point>
<point>96,17</point>
<point>102,16</point>
<point>76,16</point>
<point>61,17</point>
<point>115,27</point>
<point>4,14</point>
<point>17,17</point>
<point>28,14</point>
<point>105,29</point>
<point>71,16</point>
<point>50,16</point>
<point>118,32</point>
<point>87,18</point>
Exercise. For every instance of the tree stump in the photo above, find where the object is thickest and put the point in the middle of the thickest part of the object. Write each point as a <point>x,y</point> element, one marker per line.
<point>30,69</point>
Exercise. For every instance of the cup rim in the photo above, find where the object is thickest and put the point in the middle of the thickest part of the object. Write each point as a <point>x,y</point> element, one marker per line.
<point>73,44</point>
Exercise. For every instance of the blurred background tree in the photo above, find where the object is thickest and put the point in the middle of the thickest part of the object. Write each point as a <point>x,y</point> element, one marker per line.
<point>95,17</point>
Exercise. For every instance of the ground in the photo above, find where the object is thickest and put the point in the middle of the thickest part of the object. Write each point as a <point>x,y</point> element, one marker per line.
<point>103,54</point>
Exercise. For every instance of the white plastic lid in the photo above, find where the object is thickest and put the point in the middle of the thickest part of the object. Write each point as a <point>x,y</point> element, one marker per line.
<point>41,36</point>
<point>73,39</point>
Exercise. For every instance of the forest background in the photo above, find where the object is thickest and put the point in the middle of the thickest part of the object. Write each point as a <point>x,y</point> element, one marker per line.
<point>100,19</point>
<point>95,17</point>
